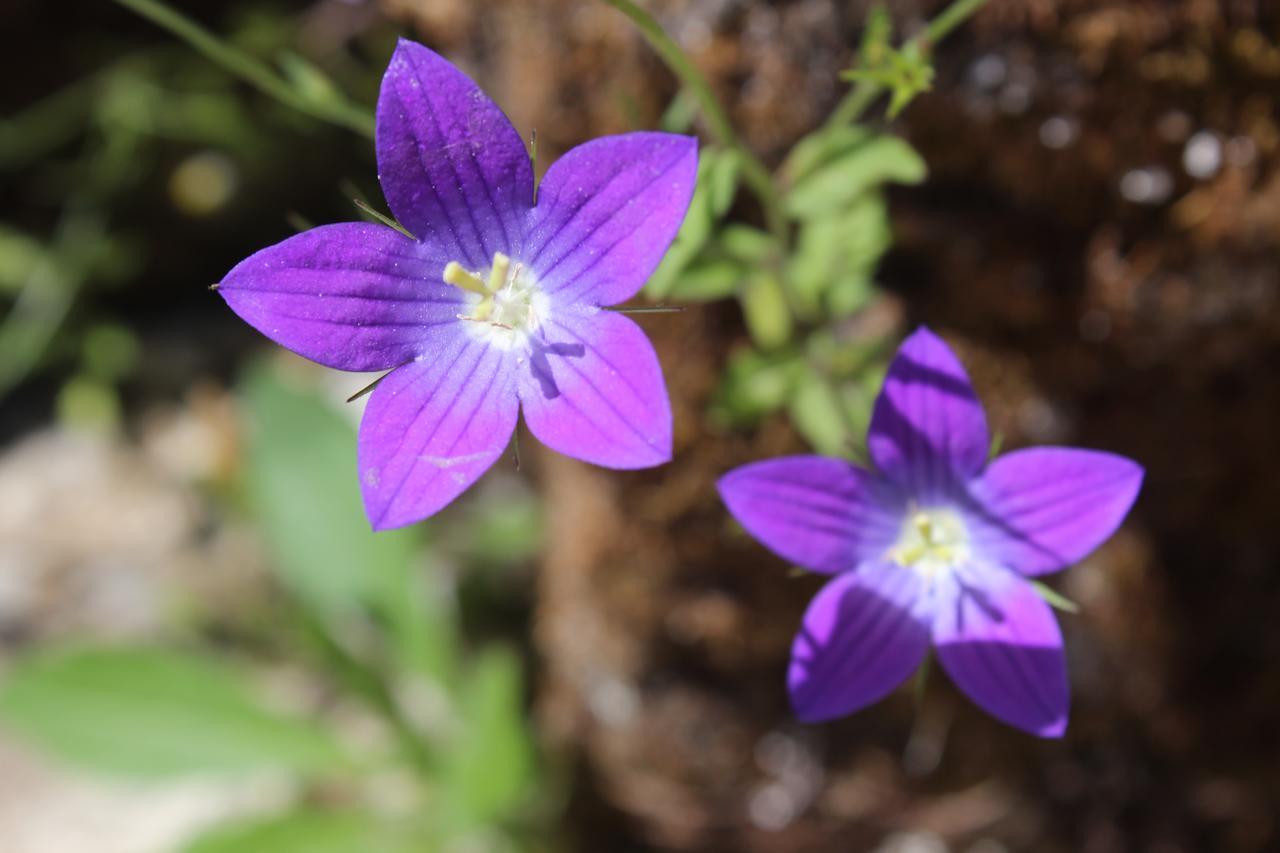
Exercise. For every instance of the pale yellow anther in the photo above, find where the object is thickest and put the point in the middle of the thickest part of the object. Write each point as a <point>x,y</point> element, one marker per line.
<point>457,276</point>
<point>931,541</point>
<point>498,272</point>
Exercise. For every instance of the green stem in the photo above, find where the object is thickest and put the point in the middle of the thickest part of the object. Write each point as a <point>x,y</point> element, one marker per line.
<point>365,682</point>
<point>250,69</point>
<point>754,172</point>
<point>863,95</point>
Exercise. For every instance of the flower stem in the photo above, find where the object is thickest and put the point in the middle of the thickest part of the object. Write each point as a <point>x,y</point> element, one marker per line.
<point>754,172</point>
<point>335,109</point>
<point>864,94</point>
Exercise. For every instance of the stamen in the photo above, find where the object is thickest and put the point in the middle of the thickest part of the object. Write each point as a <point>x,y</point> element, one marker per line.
<point>932,540</point>
<point>498,272</point>
<point>457,276</point>
<point>511,305</point>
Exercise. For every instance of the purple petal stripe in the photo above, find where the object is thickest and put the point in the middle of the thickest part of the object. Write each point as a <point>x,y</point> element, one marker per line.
<point>592,389</point>
<point>862,636</point>
<point>454,170</point>
<point>1042,509</point>
<point>607,211</point>
<point>432,428</point>
<point>1000,644</point>
<point>824,514</point>
<point>928,427</point>
<point>353,296</point>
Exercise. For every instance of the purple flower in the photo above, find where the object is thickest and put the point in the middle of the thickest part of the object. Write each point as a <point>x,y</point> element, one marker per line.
<point>496,306</point>
<point>937,545</point>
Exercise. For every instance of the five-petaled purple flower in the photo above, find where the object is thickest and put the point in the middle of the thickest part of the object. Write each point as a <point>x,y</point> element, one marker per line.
<point>496,306</point>
<point>938,545</point>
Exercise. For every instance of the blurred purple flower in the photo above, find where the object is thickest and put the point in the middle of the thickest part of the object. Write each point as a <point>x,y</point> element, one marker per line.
<point>937,546</point>
<point>497,304</point>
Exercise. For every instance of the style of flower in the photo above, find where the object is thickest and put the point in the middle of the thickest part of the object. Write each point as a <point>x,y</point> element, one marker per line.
<point>936,545</point>
<point>496,304</point>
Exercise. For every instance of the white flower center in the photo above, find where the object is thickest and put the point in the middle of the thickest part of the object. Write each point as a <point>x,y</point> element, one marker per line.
<point>932,541</point>
<point>507,305</point>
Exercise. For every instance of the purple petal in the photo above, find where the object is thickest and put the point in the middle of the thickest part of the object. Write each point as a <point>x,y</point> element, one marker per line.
<point>862,636</point>
<point>453,169</point>
<point>1042,509</point>
<point>824,514</point>
<point>353,296</point>
<point>432,428</point>
<point>1000,644</point>
<point>928,427</point>
<point>593,390</point>
<point>607,211</point>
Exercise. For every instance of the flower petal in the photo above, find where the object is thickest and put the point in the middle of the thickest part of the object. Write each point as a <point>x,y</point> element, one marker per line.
<point>454,170</point>
<point>607,211</point>
<point>825,514</point>
<point>1000,644</point>
<point>593,390</point>
<point>862,636</point>
<point>1042,509</point>
<point>928,426</point>
<point>432,428</point>
<point>353,296</point>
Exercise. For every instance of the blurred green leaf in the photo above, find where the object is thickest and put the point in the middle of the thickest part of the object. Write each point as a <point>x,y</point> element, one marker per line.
<point>110,351</point>
<point>849,294</point>
<point>308,80</point>
<point>85,403</point>
<point>876,34</point>
<point>722,181</point>
<point>755,384</point>
<point>19,255</point>
<point>679,115</point>
<point>707,280</point>
<point>877,160</point>
<point>817,412</point>
<point>489,767</point>
<point>303,487</point>
<point>746,245</point>
<point>141,711</point>
<point>820,148</point>
<point>835,256</point>
<point>313,832</point>
<point>765,309</point>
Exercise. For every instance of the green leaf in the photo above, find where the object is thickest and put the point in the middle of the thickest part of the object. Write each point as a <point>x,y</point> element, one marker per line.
<point>722,181</point>
<point>304,489</point>
<point>876,35</point>
<point>765,309</point>
<point>817,413</point>
<point>820,148</point>
<point>149,712</point>
<point>309,81</point>
<point>849,294</point>
<point>707,280</point>
<point>836,256</point>
<point>313,832</point>
<point>745,244</point>
<point>875,161</point>
<point>19,255</point>
<point>755,384</point>
<point>489,767</point>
